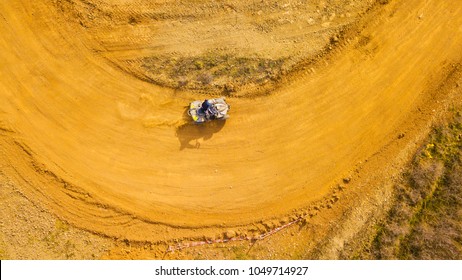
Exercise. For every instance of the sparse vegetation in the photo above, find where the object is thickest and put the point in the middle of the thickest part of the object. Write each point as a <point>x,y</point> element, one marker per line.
<point>240,252</point>
<point>52,238</point>
<point>425,222</point>
<point>214,72</point>
<point>55,240</point>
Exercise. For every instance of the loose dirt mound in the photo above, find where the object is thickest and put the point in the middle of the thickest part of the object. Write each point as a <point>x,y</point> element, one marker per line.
<point>111,153</point>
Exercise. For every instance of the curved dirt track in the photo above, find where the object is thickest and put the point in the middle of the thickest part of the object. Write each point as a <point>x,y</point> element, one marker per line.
<point>113,154</point>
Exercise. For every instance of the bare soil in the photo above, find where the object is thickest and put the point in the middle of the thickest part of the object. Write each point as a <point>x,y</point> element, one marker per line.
<point>330,99</point>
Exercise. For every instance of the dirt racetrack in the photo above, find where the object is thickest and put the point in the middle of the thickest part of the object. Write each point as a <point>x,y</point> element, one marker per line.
<point>111,152</point>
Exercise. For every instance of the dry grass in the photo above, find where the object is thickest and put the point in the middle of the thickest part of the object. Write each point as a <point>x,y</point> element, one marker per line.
<point>425,221</point>
<point>214,72</point>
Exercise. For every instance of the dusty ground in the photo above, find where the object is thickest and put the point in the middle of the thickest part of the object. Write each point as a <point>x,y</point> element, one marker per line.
<point>329,100</point>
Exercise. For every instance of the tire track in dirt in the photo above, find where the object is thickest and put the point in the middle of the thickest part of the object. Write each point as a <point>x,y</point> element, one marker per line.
<point>87,126</point>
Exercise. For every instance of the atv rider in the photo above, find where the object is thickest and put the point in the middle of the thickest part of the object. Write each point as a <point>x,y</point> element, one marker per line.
<point>213,109</point>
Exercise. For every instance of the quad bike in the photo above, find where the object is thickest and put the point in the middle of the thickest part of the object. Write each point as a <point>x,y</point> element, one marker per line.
<point>209,109</point>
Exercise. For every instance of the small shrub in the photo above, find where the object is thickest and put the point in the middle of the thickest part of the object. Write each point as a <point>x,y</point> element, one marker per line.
<point>205,78</point>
